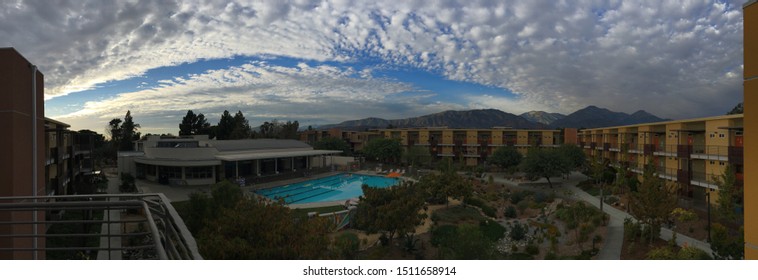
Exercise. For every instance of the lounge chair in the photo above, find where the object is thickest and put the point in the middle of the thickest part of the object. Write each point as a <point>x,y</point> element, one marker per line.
<point>402,172</point>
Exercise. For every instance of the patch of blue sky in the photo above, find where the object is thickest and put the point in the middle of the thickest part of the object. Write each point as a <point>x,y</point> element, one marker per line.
<point>425,81</point>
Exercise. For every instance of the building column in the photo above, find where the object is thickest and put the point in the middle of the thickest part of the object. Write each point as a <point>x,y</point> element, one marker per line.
<point>292,163</point>
<point>276,166</point>
<point>184,173</point>
<point>258,167</point>
<point>236,169</point>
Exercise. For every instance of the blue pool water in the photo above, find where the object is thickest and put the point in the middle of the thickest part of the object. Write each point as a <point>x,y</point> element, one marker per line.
<point>337,187</point>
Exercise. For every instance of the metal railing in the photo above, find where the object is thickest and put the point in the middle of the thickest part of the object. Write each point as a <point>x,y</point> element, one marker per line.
<point>72,225</point>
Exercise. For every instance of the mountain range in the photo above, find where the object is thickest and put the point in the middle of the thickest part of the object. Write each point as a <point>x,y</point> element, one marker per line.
<point>589,117</point>
<point>542,117</point>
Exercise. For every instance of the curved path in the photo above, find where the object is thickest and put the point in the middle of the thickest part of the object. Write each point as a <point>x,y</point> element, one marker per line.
<point>615,235</point>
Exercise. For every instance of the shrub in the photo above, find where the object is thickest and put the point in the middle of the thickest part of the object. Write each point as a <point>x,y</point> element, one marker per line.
<point>661,253</point>
<point>510,212</point>
<point>692,253</point>
<point>346,246</point>
<point>492,230</point>
<point>443,234</point>
<point>127,184</point>
<point>522,205</point>
<point>632,230</point>
<point>516,197</point>
<point>518,232</point>
<point>488,210</point>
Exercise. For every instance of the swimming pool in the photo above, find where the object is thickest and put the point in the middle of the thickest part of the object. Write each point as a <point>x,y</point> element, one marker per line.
<point>332,188</point>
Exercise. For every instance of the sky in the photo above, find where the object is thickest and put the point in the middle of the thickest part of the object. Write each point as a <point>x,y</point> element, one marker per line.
<point>322,62</point>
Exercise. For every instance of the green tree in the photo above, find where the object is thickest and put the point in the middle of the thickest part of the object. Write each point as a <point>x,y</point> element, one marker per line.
<point>418,156</point>
<point>229,225</point>
<point>225,126</point>
<point>241,127</point>
<point>185,127</point>
<point>727,244</point>
<point>194,124</point>
<point>129,133</point>
<point>653,202</point>
<point>391,211</point>
<point>289,130</point>
<point>728,194</point>
<point>332,143</point>
<point>506,157</point>
<point>383,149</point>
<point>256,230</point>
<point>573,154</point>
<point>544,163</point>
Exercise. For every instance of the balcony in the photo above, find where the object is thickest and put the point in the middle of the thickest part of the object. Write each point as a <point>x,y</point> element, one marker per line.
<point>667,173</point>
<point>635,149</point>
<point>648,149</point>
<point>683,151</point>
<point>613,147</point>
<point>703,179</point>
<point>736,155</point>
<point>155,229</point>
<point>709,152</point>
<point>666,150</point>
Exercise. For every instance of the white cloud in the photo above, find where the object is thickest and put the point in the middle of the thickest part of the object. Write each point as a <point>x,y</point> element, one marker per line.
<point>671,58</point>
<point>309,94</point>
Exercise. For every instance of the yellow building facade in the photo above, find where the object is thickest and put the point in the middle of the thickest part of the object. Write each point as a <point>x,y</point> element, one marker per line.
<point>471,146</point>
<point>751,129</point>
<point>689,153</point>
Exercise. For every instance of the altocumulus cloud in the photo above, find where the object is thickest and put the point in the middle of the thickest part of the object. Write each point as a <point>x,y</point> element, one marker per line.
<point>672,58</point>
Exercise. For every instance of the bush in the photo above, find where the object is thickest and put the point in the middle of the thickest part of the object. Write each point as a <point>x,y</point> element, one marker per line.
<point>661,253</point>
<point>692,253</point>
<point>632,230</point>
<point>443,234</point>
<point>488,210</point>
<point>510,212</point>
<point>522,205</point>
<point>346,246</point>
<point>516,197</point>
<point>492,230</point>
<point>127,184</point>
<point>518,232</point>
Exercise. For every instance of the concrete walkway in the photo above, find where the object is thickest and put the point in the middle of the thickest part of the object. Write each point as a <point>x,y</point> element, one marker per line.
<point>111,228</point>
<point>615,235</point>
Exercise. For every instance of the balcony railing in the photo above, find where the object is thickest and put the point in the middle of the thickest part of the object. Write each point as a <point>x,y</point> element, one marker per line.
<point>155,229</point>
<point>704,179</point>
<point>710,152</point>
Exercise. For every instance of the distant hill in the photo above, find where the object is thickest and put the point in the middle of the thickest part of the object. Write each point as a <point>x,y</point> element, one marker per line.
<point>592,116</point>
<point>542,117</point>
<point>485,118</point>
<point>739,109</point>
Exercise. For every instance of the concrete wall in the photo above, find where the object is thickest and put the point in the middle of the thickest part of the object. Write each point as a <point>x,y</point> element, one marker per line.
<point>16,161</point>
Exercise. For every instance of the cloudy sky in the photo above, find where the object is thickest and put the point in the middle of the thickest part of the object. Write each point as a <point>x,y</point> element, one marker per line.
<point>322,62</point>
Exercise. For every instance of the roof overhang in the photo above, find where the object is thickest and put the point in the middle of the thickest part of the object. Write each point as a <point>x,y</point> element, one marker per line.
<point>273,154</point>
<point>177,162</point>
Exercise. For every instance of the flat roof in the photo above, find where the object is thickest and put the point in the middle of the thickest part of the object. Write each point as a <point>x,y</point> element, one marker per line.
<point>721,117</point>
<point>274,154</point>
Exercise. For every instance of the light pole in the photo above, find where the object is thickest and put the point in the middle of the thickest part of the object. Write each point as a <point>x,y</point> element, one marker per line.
<point>708,198</point>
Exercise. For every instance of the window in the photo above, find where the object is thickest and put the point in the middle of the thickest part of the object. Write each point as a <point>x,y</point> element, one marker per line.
<point>721,135</point>
<point>200,172</point>
<point>170,171</point>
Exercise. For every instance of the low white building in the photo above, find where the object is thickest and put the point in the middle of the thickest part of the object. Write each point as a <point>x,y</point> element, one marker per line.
<point>196,160</point>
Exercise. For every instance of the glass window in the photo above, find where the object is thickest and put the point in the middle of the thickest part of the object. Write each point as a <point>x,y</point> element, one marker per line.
<point>200,172</point>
